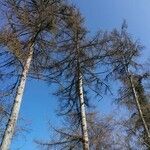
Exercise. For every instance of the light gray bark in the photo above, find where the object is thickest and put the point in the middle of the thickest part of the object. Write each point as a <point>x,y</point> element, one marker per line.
<point>6,141</point>
<point>139,107</point>
<point>83,115</point>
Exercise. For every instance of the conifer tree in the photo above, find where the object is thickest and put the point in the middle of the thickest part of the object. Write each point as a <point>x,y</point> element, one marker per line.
<point>124,52</point>
<point>28,35</point>
<point>75,71</point>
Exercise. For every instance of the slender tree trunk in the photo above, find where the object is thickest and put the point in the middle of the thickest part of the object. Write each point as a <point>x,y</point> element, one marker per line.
<point>83,115</point>
<point>139,107</point>
<point>6,141</point>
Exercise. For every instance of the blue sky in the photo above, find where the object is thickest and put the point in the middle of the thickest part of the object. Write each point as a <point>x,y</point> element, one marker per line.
<point>39,104</point>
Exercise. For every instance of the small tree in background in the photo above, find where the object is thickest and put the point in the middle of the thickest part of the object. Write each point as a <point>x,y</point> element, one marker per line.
<point>100,130</point>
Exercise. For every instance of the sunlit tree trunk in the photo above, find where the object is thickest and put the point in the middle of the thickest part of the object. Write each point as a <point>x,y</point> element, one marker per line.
<point>83,115</point>
<point>9,131</point>
<point>139,107</point>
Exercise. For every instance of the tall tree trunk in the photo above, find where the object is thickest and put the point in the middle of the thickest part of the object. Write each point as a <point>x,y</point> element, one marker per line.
<point>83,115</point>
<point>6,141</point>
<point>139,107</point>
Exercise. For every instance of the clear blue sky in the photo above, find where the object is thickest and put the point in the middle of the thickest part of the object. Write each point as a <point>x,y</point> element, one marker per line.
<point>39,104</point>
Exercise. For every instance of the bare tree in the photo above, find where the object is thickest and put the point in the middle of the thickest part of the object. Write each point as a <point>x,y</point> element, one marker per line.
<point>124,51</point>
<point>8,84</point>
<point>29,30</point>
<point>75,71</point>
<point>139,120</point>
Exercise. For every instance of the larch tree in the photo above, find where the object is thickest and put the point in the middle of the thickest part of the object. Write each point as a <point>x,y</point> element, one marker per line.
<point>28,35</point>
<point>124,52</point>
<point>76,74</point>
<point>9,78</point>
<point>136,122</point>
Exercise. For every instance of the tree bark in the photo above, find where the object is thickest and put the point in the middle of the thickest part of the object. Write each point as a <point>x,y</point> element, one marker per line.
<point>83,115</point>
<point>6,141</point>
<point>139,107</point>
